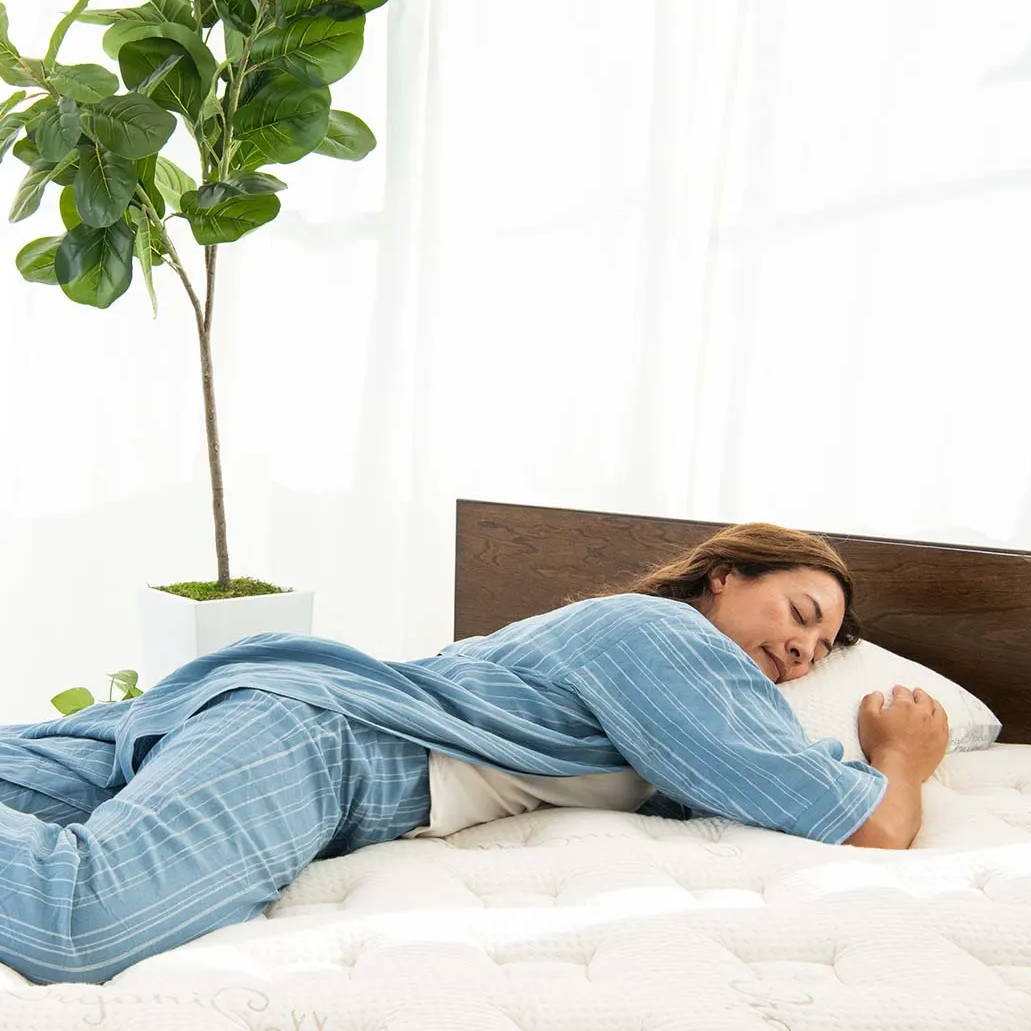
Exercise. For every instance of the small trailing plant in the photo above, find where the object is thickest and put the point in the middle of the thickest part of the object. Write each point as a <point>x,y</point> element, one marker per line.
<point>261,99</point>
<point>76,698</point>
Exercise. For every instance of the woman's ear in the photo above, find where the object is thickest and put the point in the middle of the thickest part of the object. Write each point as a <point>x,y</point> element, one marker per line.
<point>718,578</point>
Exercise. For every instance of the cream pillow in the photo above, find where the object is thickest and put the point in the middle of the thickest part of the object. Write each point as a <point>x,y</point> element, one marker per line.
<point>826,701</point>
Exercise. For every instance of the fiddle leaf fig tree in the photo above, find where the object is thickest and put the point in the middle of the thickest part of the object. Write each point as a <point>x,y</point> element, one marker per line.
<point>248,80</point>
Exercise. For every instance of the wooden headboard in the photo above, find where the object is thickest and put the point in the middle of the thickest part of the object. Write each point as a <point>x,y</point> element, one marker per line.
<point>965,612</point>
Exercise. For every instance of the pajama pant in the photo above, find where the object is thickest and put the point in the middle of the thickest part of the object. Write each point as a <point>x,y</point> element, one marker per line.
<point>221,814</point>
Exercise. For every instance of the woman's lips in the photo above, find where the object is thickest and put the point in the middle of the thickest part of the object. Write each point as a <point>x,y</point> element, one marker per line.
<point>776,662</point>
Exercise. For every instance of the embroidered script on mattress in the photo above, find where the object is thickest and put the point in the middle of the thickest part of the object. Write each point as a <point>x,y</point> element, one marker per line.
<point>245,1006</point>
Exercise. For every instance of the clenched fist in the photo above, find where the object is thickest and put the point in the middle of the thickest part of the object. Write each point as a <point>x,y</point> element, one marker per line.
<point>914,727</point>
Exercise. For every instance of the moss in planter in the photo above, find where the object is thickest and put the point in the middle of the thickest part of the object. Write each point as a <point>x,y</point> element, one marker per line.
<point>242,587</point>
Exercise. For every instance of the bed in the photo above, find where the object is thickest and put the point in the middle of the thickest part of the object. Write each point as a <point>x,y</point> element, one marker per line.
<point>564,919</point>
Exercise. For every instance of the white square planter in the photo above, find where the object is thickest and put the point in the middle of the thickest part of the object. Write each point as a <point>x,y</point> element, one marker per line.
<point>175,629</point>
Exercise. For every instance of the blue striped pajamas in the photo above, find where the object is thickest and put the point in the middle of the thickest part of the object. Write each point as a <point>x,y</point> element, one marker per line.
<point>132,827</point>
<point>219,817</point>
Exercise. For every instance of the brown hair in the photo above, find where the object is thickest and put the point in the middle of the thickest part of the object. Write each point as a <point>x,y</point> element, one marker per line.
<point>750,549</point>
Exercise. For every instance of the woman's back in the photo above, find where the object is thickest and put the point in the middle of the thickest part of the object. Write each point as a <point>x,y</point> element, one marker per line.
<point>587,688</point>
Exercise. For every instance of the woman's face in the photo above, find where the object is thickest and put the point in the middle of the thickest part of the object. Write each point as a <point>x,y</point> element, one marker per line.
<point>789,617</point>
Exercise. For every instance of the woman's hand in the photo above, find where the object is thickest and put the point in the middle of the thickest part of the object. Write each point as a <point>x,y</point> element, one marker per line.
<point>915,728</point>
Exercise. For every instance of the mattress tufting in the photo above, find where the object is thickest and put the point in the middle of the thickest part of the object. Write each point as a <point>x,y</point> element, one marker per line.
<point>568,919</point>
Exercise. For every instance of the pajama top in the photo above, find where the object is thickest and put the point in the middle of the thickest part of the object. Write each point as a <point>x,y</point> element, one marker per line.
<point>622,683</point>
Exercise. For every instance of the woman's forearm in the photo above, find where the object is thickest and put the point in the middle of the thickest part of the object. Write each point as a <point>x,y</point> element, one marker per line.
<point>896,821</point>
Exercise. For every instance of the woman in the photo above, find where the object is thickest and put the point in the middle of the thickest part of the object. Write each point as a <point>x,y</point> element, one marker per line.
<point>129,828</point>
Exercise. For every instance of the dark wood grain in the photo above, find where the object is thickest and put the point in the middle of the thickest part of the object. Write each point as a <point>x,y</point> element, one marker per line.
<point>965,612</point>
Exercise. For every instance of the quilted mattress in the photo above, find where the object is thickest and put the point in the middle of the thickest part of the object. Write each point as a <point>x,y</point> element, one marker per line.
<point>564,919</point>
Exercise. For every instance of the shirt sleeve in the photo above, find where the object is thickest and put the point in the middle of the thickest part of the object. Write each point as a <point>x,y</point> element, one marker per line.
<point>695,716</point>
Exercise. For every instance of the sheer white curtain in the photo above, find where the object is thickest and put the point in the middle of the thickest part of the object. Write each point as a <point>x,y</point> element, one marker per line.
<point>691,258</point>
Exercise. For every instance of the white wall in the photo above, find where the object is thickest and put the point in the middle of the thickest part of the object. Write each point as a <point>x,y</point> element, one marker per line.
<point>686,258</point>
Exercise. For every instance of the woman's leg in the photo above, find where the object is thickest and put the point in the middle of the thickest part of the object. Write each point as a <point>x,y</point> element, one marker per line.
<point>36,803</point>
<point>221,815</point>
<point>58,770</point>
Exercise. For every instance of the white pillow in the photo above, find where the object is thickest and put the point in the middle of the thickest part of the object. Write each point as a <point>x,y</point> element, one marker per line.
<point>826,700</point>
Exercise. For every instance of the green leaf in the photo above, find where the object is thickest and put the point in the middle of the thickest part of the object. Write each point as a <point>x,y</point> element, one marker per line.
<point>162,70</point>
<point>146,170</point>
<point>214,193</point>
<point>347,137</point>
<point>254,83</point>
<point>155,12</point>
<point>239,14</point>
<point>118,35</point>
<point>208,13</point>
<point>209,125</point>
<point>58,130</point>
<point>94,266</point>
<point>231,219</point>
<point>35,113</point>
<point>69,210</point>
<point>143,249</point>
<point>30,192</point>
<point>10,126</point>
<point>50,139</point>
<point>132,125</point>
<point>234,42</point>
<point>172,182</point>
<point>104,185</point>
<point>316,51</point>
<point>255,182</point>
<point>211,107</point>
<point>84,83</point>
<point>7,49</point>
<point>11,102</point>
<point>281,123</point>
<point>338,10</point>
<point>15,69</point>
<point>287,9</point>
<point>11,72</point>
<point>68,169</point>
<point>146,85</point>
<point>71,122</point>
<point>126,679</point>
<point>23,71</point>
<point>73,700</point>
<point>59,33</point>
<point>35,260</point>
<point>26,151</point>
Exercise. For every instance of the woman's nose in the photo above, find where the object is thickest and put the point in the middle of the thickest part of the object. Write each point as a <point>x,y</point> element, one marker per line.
<point>801,652</point>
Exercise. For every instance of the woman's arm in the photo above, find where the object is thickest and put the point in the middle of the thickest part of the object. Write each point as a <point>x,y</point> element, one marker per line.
<point>906,742</point>
<point>695,716</point>
<point>895,822</point>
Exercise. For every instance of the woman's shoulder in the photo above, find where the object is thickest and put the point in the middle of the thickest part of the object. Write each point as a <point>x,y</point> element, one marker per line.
<point>620,615</point>
<point>630,609</point>
<point>646,603</point>
<point>568,635</point>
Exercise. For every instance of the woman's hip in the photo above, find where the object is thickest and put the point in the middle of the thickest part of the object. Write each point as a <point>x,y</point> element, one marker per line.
<point>380,782</point>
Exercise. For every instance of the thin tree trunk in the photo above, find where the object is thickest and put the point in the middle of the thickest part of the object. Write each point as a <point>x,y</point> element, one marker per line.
<point>211,419</point>
<point>203,317</point>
